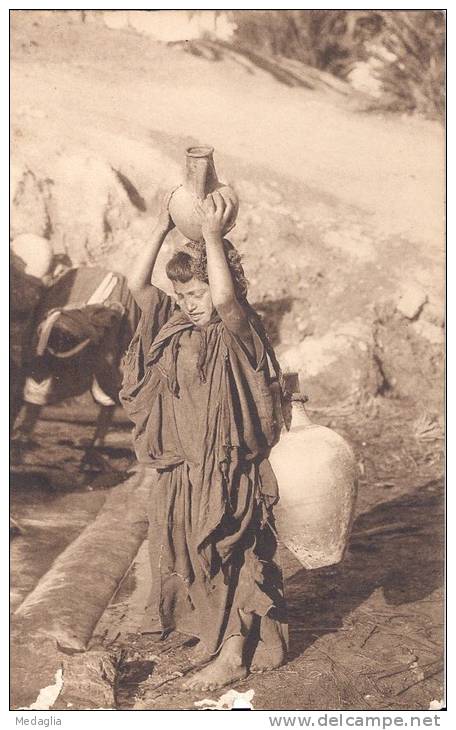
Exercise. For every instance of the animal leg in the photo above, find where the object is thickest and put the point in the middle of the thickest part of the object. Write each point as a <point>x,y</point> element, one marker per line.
<point>92,458</point>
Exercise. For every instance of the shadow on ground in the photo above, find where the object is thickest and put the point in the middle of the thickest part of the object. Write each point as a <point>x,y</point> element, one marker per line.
<point>396,547</point>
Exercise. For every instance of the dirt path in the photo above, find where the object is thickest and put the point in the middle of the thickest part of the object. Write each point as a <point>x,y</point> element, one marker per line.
<point>389,168</point>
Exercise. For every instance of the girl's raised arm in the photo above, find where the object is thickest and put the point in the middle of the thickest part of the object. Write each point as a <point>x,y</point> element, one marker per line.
<point>139,277</point>
<point>215,212</point>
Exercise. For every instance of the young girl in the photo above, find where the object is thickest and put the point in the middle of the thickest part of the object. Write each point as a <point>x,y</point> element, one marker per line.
<point>197,385</point>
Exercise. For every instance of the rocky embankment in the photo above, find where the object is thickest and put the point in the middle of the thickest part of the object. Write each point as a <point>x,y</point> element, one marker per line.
<point>341,219</point>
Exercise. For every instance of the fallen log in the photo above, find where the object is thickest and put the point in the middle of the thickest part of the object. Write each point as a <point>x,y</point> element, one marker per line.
<point>58,617</point>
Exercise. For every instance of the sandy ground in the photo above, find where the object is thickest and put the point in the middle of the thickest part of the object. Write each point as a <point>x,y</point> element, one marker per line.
<point>339,211</point>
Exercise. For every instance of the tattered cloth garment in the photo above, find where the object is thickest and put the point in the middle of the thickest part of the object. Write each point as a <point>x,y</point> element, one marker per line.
<point>203,416</point>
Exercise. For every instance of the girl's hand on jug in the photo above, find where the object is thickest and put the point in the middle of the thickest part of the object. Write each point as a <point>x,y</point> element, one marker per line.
<point>165,222</point>
<point>215,212</point>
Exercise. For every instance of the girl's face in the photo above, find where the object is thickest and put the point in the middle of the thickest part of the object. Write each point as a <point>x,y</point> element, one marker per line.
<point>194,298</point>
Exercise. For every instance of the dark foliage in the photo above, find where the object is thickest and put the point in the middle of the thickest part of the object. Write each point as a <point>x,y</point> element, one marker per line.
<point>412,74</point>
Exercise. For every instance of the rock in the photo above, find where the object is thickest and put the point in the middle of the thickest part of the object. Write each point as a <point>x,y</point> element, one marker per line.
<point>411,300</point>
<point>34,663</point>
<point>353,241</point>
<point>228,701</point>
<point>44,678</point>
<point>411,365</point>
<point>16,172</point>
<point>437,704</point>
<point>89,681</point>
<point>29,203</point>
<point>305,328</point>
<point>90,207</point>
<point>364,77</point>
<point>429,331</point>
<point>35,252</point>
<point>335,366</point>
<point>433,311</point>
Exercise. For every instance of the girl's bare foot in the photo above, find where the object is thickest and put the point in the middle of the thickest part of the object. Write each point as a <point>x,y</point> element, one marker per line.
<point>198,654</point>
<point>270,652</point>
<point>268,657</point>
<point>227,668</point>
<point>223,670</point>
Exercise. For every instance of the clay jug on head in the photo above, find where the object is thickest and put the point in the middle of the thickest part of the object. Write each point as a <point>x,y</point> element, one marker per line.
<point>317,475</point>
<point>200,180</point>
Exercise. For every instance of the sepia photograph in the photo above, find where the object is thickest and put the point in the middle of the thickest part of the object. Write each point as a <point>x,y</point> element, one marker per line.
<point>227,360</point>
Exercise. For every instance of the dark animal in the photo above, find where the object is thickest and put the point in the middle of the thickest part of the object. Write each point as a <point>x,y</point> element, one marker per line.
<point>80,331</point>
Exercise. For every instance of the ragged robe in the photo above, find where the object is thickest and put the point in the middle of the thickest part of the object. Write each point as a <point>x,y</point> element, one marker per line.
<point>204,419</point>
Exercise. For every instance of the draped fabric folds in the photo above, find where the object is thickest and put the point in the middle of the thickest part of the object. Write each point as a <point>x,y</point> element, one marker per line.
<point>203,417</point>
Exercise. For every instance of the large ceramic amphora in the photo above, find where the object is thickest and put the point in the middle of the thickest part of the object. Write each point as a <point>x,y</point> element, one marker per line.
<point>317,475</point>
<point>200,180</point>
